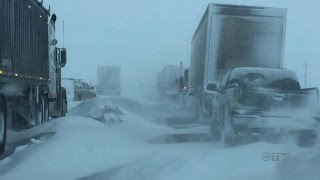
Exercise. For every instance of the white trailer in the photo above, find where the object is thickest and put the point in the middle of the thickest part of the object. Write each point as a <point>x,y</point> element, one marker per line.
<point>109,80</point>
<point>230,36</point>
<point>169,80</point>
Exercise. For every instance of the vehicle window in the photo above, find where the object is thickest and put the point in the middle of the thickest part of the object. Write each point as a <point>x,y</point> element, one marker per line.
<point>224,81</point>
<point>86,86</point>
<point>78,85</point>
<point>264,78</point>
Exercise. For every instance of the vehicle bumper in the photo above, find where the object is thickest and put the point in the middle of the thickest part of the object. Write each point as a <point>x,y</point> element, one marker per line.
<point>293,122</point>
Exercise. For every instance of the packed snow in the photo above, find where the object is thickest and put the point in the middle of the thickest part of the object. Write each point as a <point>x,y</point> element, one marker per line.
<point>139,147</point>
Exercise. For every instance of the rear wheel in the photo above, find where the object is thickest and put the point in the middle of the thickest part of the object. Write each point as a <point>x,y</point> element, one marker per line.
<point>3,125</point>
<point>64,103</point>
<point>39,111</point>
<point>45,105</point>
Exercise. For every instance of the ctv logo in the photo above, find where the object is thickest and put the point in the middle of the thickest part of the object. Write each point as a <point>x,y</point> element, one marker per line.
<point>274,156</point>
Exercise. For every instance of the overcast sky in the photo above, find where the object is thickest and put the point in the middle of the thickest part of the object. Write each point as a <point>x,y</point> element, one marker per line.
<point>143,35</point>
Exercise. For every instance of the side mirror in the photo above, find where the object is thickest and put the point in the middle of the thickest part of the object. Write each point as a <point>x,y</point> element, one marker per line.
<point>212,87</point>
<point>61,54</point>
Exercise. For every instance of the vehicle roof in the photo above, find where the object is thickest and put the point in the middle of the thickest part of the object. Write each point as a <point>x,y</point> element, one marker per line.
<point>241,10</point>
<point>273,71</point>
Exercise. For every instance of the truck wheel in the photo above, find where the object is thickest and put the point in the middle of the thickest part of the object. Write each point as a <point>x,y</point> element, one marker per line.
<point>39,111</point>
<point>306,138</point>
<point>198,111</point>
<point>3,125</point>
<point>63,113</point>
<point>45,105</point>
<point>64,103</point>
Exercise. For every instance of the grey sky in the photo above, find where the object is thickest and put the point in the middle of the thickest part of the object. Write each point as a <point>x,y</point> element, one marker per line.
<point>143,35</point>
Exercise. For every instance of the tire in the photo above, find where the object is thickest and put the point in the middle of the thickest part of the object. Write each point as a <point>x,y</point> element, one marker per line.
<point>64,103</point>
<point>3,125</point>
<point>63,114</point>
<point>306,138</point>
<point>39,111</point>
<point>198,111</point>
<point>45,105</point>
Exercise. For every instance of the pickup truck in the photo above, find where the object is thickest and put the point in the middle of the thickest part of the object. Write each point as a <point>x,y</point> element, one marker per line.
<point>255,101</point>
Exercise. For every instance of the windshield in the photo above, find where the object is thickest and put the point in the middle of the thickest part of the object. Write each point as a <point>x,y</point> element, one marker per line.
<point>264,78</point>
<point>78,85</point>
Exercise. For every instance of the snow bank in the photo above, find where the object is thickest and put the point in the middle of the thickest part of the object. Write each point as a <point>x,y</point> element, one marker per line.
<point>81,146</point>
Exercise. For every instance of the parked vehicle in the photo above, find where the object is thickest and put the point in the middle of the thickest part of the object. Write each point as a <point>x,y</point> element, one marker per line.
<point>83,91</point>
<point>78,90</point>
<point>231,36</point>
<point>109,80</point>
<point>30,67</point>
<point>252,101</point>
<point>236,77</point>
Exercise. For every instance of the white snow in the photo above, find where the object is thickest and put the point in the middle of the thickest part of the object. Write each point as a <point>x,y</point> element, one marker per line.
<point>83,147</point>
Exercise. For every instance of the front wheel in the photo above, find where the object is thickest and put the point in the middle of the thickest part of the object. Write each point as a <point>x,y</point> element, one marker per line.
<point>3,126</point>
<point>39,111</point>
<point>45,105</point>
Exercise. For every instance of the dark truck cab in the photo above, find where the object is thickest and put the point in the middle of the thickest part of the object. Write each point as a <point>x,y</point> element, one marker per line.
<point>251,101</point>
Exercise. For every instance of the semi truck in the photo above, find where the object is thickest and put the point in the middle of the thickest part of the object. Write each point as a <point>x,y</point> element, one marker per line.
<point>233,36</point>
<point>109,80</point>
<point>30,67</point>
<point>230,37</point>
<point>170,81</point>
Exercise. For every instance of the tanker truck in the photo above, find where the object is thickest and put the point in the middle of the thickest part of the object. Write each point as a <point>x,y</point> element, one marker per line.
<point>30,67</point>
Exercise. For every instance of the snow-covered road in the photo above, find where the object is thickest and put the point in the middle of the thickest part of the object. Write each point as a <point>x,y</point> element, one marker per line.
<point>141,146</point>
